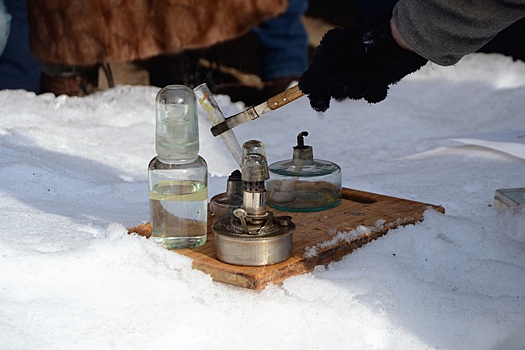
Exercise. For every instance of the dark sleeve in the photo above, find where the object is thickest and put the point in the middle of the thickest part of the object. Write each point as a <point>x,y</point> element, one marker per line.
<point>443,31</point>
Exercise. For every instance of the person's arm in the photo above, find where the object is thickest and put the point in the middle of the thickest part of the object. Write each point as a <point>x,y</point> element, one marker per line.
<point>362,62</point>
<point>397,37</point>
<point>443,31</point>
<point>357,63</point>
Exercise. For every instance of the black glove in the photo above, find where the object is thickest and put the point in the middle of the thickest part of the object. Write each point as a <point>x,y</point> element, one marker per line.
<point>358,63</point>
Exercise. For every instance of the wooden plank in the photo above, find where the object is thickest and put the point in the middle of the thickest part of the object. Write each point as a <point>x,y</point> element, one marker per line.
<point>314,240</point>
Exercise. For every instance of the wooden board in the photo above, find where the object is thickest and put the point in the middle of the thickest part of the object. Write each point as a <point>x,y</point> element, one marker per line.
<point>314,241</point>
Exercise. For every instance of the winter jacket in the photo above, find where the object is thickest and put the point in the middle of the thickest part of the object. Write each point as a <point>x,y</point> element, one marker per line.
<point>443,31</point>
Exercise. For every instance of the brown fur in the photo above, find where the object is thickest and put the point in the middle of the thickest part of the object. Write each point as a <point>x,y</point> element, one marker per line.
<point>98,31</point>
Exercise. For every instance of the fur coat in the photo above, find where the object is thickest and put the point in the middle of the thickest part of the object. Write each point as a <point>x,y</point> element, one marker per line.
<point>87,32</point>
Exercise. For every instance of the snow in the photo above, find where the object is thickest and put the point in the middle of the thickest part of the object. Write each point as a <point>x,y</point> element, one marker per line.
<point>73,178</point>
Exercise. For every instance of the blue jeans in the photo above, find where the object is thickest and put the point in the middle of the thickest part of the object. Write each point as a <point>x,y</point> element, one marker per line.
<point>284,43</point>
<point>19,69</point>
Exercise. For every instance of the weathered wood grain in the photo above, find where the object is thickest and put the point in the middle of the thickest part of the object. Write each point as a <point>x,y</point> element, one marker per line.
<point>313,239</point>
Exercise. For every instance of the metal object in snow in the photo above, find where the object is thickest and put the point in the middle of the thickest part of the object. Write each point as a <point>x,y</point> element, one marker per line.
<point>272,103</point>
<point>252,235</point>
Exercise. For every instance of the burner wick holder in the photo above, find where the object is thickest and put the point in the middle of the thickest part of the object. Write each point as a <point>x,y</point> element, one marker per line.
<point>248,234</point>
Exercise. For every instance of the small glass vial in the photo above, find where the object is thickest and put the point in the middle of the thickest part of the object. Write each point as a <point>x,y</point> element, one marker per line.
<point>178,176</point>
<point>304,184</point>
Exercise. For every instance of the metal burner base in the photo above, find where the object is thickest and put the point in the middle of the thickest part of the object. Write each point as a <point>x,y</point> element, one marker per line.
<point>250,250</point>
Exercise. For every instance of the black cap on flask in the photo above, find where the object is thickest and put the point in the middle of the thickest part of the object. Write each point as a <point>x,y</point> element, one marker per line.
<point>177,127</point>
<point>302,155</point>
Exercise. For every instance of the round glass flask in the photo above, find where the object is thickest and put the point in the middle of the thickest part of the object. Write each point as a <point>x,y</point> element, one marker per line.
<point>304,184</point>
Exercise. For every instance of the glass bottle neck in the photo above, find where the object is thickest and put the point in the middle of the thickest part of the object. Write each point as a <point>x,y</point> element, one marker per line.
<point>178,161</point>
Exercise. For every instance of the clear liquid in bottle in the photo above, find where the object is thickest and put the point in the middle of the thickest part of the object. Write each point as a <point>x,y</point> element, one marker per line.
<point>180,212</point>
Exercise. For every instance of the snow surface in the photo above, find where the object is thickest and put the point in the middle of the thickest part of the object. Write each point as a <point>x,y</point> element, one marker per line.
<point>73,178</point>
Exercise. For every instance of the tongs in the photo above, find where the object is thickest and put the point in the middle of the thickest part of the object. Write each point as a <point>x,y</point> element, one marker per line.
<point>252,113</point>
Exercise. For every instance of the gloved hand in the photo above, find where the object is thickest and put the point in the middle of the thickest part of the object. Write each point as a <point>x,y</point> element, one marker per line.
<point>357,63</point>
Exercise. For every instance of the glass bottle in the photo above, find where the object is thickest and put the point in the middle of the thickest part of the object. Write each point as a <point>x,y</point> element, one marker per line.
<point>304,184</point>
<point>178,176</point>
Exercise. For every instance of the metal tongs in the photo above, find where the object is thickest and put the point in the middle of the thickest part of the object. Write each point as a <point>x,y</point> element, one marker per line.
<point>252,113</point>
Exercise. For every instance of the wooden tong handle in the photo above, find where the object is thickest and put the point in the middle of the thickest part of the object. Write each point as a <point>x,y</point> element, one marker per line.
<point>284,97</point>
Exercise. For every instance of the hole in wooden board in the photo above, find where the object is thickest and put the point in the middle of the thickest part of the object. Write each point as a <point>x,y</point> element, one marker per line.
<point>358,198</point>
